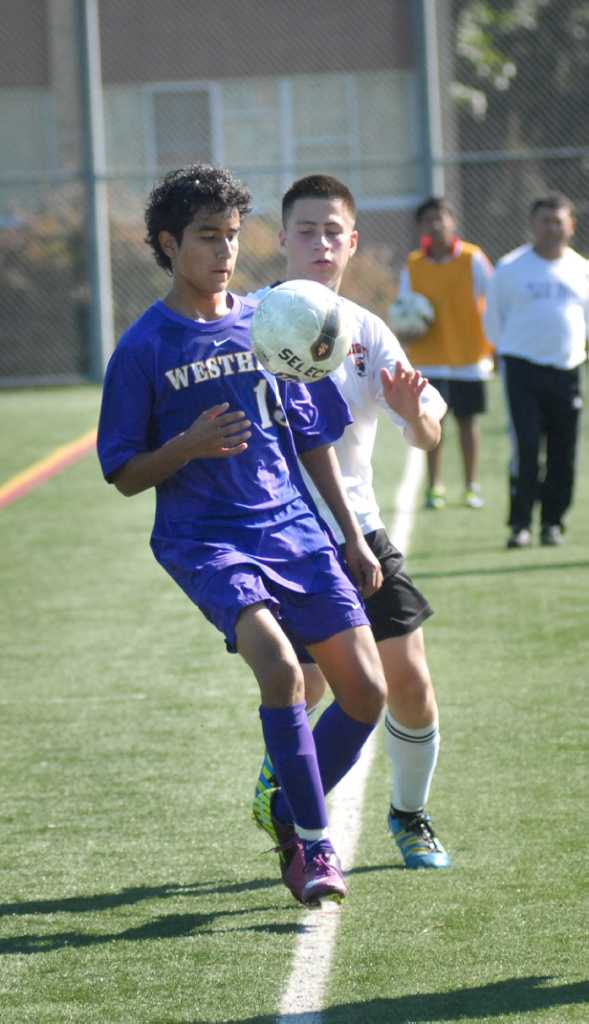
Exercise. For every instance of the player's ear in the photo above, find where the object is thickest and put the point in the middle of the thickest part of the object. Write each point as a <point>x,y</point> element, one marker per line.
<point>282,238</point>
<point>168,243</point>
<point>353,242</point>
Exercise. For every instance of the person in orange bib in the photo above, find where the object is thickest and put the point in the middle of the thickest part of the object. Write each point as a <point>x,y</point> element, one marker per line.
<point>454,352</point>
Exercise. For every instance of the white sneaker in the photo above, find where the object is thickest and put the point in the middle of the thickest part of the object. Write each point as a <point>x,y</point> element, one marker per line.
<point>473,497</point>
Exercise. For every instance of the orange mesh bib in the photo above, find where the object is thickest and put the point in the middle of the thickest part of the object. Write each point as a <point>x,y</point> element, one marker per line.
<point>456,337</point>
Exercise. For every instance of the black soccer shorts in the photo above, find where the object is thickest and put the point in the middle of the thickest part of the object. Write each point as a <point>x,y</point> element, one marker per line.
<point>463,397</point>
<point>398,607</point>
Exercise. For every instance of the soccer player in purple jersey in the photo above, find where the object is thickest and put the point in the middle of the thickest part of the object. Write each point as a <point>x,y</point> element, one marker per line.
<point>187,410</point>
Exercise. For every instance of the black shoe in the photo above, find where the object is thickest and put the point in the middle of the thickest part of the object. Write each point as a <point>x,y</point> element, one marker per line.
<point>551,535</point>
<point>519,538</point>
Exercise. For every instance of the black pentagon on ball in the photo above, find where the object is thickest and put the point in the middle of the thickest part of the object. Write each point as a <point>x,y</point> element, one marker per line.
<point>322,347</point>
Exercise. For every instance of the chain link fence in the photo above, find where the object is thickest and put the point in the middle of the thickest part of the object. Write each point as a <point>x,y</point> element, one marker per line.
<point>483,101</point>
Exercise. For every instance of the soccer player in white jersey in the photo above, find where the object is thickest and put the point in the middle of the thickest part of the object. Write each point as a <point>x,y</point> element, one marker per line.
<point>187,410</point>
<point>538,317</point>
<point>318,238</point>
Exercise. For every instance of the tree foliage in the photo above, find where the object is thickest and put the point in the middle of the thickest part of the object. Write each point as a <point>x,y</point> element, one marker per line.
<point>531,56</point>
<point>521,73</point>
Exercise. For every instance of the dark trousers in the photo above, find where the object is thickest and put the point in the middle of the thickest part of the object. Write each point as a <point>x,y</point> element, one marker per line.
<point>544,406</point>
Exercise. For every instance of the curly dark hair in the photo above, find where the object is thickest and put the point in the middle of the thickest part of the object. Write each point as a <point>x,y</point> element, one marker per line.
<point>317,186</point>
<point>175,200</point>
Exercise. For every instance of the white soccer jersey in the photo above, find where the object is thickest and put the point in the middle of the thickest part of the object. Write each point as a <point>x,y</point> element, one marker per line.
<point>358,379</point>
<point>538,309</point>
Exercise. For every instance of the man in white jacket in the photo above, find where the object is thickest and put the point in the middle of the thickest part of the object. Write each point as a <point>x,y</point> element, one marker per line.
<point>318,238</point>
<point>537,316</point>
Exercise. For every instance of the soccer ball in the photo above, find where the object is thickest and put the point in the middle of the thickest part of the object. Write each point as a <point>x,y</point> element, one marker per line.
<point>301,331</point>
<point>411,313</point>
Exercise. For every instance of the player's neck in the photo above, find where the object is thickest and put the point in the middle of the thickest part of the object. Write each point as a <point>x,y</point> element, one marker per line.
<point>196,305</point>
<point>550,252</point>
<point>439,248</point>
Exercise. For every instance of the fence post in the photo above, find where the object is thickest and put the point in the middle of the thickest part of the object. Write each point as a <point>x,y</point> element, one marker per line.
<point>428,66</point>
<point>100,274</point>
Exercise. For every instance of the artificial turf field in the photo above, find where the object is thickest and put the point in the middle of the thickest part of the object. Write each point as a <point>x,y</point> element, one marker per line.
<point>134,888</point>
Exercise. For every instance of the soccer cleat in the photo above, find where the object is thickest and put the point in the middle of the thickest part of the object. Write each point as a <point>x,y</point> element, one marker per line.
<point>285,841</point>
<point>435,497</point>
<point>519,538</point>
<point>266,777</point>
<point>417,841</point>
<point>322,877</point>
<point>473,498</point>
<point>551,535</point>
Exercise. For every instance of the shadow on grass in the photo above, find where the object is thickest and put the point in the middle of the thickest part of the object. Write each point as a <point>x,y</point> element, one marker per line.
<point>131,896</point>
<point>505,570</point>
<point>171,926</point>
<point>172,890</point>
<point>515,995</point>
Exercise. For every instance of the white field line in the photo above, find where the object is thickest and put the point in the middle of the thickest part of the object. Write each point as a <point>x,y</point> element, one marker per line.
<point>303,996</point>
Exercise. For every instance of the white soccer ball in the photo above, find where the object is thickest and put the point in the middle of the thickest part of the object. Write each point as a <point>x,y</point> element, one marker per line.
<point>302,331</point>
<point>411,313</point>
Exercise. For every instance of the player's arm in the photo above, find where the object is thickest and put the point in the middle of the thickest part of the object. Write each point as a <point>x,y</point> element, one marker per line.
<point>482,274</point>
<point>402,391</point>
<point>215,434</point>
<point>494,316</point>
<point>323,467</point>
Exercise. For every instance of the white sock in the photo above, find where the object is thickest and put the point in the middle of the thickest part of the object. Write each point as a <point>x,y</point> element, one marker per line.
<point>312,835</point>
<point>413,754</point>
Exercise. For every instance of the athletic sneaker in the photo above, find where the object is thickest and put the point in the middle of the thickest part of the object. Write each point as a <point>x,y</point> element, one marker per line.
<point>551,535</point>
<point>473,497</point>
<point>519,538</point>
<point>435,497</point>
<point>266,776</point>
<point>285,841</point>
<point>322,875</point>
<point>417,840</point>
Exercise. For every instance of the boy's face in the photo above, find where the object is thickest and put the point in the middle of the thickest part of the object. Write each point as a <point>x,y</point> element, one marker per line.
<point>318,240</point>
<point>438,224</point>
<point>552,228</point>
<point>204,260</point>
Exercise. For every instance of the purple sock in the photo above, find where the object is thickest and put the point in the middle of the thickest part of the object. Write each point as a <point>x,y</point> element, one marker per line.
<point>339,740</point>
<point>290,743</point>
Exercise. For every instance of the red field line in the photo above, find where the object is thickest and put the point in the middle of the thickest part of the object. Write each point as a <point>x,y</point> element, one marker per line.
<point>42,470</point>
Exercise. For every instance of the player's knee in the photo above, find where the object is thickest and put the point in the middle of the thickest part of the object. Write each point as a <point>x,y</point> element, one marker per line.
<point>412,682</point>
<point>369,698</point>
<point>281,681</point>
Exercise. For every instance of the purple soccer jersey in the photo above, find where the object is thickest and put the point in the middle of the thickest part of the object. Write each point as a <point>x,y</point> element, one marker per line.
<point>251,509</point>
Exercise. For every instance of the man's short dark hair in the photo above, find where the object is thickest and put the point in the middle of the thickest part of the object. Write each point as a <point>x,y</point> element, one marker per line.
<point>437,203</point>
<point>553,201</point>
<point>173,203</point>
<point>317,186</point>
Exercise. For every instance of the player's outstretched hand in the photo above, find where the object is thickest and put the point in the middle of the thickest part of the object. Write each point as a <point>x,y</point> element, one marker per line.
<point>402,391</point>
<point>217,433</point>
<point>364,566</point>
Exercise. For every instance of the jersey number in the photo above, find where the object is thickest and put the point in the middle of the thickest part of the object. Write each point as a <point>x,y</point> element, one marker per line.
<point>266,417</point>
